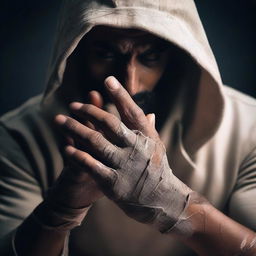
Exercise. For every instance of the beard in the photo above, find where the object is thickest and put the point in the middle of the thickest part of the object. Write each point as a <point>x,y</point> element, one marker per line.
<point>146,100</point>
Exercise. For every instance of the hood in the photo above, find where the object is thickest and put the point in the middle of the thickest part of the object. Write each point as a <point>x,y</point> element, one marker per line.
<point>176,21</point>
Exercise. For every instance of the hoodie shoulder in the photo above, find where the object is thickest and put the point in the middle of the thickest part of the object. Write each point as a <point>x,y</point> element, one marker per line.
<point>31,138</point>
<point>239,97</point>
<point>241,108</point>
<point>239,119</point>
<point>14,125</point>
<point>18,113</point>
<point>12,148</point>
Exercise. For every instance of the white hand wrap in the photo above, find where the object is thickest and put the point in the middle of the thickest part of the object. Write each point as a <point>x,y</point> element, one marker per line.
<point>145,187</point>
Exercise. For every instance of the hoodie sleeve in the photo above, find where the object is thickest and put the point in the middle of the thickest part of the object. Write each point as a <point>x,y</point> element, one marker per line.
<point>242,206</point>
<point>20,192</point>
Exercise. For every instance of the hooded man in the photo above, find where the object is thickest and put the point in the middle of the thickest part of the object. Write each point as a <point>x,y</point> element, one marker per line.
<point>184,166</point>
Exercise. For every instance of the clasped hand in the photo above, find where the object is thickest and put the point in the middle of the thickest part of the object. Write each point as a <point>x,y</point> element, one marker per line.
<point>126,158</point>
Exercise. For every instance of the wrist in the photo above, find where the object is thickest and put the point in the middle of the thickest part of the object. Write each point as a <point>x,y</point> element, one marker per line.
<point>64,208</point>
<point>73,189</point>
<point>208,231</point>
<point>56,217</point>
<point>192,220</point>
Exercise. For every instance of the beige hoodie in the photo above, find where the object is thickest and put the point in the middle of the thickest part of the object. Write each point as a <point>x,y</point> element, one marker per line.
<point>216,156</point>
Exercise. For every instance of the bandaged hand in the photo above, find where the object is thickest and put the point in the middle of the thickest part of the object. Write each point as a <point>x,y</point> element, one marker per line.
<point>127,159</point>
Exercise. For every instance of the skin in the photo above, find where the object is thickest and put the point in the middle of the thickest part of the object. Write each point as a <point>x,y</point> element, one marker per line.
<point>140,67</point>
<point>210,231</point>
<point>85,175</point>
<point>136,59</point>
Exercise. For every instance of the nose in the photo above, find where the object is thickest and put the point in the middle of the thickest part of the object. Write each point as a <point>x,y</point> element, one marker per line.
<point>131,77</point>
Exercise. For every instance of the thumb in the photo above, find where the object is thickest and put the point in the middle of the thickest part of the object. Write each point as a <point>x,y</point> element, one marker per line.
<point>95,99</point>
<point>152,119</point>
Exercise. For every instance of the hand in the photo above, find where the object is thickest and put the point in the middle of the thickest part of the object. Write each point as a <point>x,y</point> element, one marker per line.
<point>69,199</point>
<point>127,159</point>
<point>79,188</point>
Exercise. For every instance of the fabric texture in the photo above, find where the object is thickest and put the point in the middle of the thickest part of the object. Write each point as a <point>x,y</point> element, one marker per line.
<point>211,144</point>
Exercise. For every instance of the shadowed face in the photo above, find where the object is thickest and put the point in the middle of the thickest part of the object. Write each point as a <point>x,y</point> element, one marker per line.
<point>151,69</point>
<point>136,58</point>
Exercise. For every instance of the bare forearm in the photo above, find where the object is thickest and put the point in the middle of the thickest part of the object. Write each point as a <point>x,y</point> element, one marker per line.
<point>33,239</point>
<point>210,232</point>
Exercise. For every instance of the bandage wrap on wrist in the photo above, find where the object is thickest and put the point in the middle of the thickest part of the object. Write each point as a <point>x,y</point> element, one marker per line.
<point>57,217</point>
<point>145,187</point>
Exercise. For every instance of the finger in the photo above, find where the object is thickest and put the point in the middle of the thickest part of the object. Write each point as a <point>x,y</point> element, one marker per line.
<point>152,120</point>
<point>90,125</point>
<point>131,114</point>
<point>95,99</point>
<point>111,126</point>
<point>104,176</point>
<point>93,140</point>
<point>70,140</point>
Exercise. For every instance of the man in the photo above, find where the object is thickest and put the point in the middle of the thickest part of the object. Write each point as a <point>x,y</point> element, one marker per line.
<point>185,166</point>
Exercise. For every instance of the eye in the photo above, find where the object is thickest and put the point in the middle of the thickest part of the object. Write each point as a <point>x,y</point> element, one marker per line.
<point>152,56</point>
<point>103,54</point>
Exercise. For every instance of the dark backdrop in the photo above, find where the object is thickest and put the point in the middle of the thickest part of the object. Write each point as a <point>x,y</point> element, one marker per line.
<point>27,30</point>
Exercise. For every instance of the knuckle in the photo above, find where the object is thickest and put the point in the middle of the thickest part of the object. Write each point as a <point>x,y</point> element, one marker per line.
<point>83,108</point>
<point>120,130</point>
<point>111,122</point>
<point>115,124</point>
<point>128,136</point>
<point>108,151</point>
<point>86,108</point>
<point>71,125</point>
<point>96,138</point>
<point>139,114</point>
<point>104,120</point>
<point>136,117</point>
<point>84,161</point>
<point>77,155</point>
<point>77,158</point>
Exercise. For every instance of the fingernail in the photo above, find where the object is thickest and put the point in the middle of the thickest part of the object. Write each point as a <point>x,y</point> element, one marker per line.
<point>70,150</point>
<point>76,105</point>
<point>112,83</point>
<point>153,119</point>
<point>60,119</point>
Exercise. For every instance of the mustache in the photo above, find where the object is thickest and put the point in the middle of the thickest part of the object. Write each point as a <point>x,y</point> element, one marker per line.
<point>146,100</point>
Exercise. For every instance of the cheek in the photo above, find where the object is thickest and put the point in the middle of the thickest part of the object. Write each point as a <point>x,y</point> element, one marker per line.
<point>151,76</point>
<point>99,71</point>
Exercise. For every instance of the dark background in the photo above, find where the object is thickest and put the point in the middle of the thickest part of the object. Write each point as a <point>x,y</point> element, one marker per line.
<point>27,30</point>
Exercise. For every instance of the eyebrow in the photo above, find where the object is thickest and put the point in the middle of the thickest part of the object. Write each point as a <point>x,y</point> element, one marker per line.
<point>155,48</point>
<point>105,45</point>
<point>159,47</point>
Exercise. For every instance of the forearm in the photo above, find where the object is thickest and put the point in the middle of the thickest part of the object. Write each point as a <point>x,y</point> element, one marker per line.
<point>35,239</point>
<point>130,165</point>
<point>45,231</point>
<point>209,232</point>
